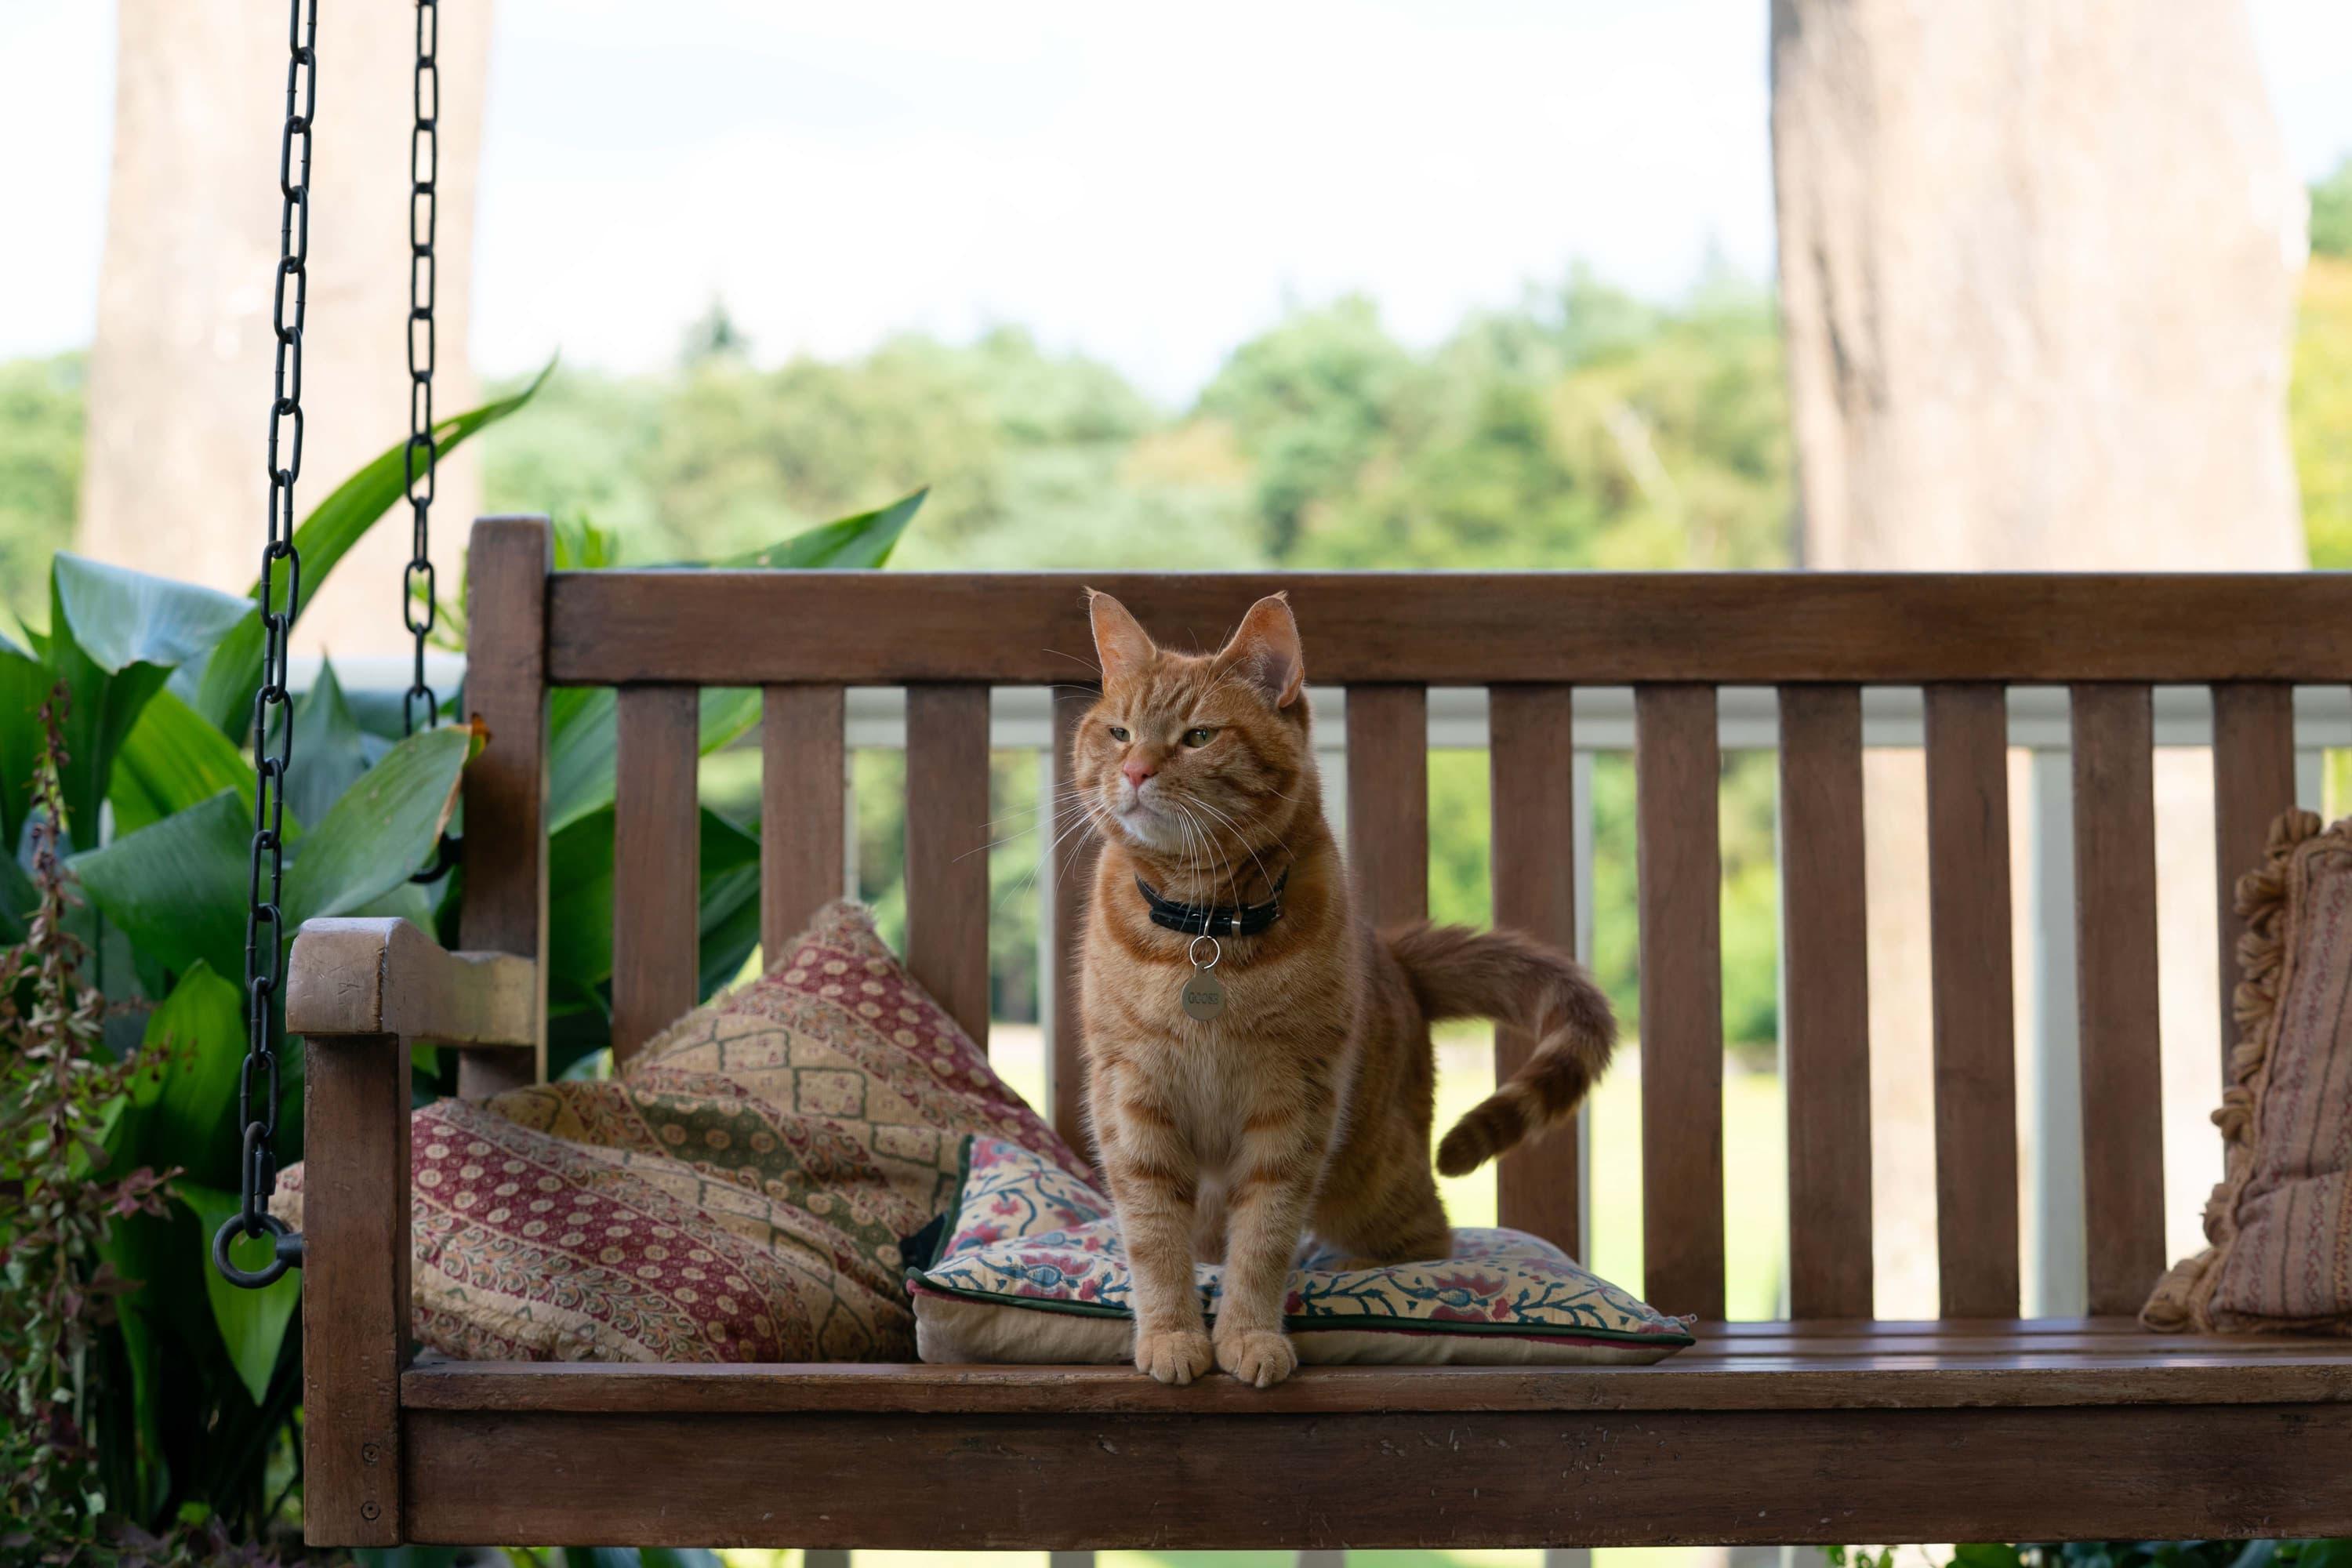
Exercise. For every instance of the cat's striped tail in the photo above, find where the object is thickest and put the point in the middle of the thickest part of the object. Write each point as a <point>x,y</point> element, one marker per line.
<point>1457,972</point>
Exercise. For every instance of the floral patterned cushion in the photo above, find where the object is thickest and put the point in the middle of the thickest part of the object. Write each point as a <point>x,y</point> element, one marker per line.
<point>1030,1270</point>
<point>739,1194</point>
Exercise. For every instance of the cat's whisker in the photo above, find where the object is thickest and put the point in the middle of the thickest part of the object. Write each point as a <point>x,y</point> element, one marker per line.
<point>1028,881</point>
<point>1226,876</point>
<point>1242,839</point>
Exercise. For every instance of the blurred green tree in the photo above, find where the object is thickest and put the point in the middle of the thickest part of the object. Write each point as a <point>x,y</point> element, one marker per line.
<point>2319,407</point>
<point>40,475</point>
<point>2331,212</point>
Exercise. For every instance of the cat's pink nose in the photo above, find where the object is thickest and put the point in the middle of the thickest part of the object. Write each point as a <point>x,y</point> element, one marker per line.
<point>1136,771</point>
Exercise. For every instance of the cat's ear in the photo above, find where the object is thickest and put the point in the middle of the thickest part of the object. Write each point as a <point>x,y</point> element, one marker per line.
<point>1265,653</point>
<point>1122,645</point>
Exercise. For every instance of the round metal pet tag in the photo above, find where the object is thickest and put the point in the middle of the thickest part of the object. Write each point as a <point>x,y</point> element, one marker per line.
<point>1204,996</point>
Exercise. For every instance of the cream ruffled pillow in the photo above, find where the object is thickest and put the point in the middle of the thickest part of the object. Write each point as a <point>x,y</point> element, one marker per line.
<point>2280,1220</point>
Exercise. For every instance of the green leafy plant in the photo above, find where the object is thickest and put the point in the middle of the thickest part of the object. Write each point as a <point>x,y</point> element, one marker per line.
<point>59,1093</point>
<point>185,1392</point>
<point>188,1388</point>
<point>183,1389</point>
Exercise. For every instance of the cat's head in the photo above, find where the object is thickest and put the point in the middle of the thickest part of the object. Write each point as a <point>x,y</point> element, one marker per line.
<point>1187,752</point>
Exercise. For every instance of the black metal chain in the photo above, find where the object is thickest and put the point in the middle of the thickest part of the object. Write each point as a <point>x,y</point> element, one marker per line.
<point>273,726</point>
<point>419,457</point>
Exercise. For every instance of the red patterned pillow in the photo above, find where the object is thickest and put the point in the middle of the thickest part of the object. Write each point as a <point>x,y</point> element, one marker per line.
<point>739,1194</point>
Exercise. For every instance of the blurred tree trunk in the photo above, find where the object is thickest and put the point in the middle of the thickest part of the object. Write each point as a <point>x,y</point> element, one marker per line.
<point>2037,268</point>
<point>180,373</point>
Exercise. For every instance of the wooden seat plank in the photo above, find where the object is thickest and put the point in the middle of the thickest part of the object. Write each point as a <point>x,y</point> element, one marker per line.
<point>1260,1479</point>
<point>1824,1373</point>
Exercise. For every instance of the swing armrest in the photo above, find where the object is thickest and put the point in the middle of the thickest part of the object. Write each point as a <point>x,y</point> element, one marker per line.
<point>386,977</point>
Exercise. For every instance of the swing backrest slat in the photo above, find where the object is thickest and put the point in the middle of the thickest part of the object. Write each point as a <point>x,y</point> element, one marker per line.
<point>657,849</point>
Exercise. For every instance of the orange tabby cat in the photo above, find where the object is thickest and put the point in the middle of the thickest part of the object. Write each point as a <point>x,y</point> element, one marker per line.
<point>1304,1105</point>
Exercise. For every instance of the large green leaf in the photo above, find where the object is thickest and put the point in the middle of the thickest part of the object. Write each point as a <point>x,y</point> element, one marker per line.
<point>330,749</point>
<point>583,729</point>
<point>224,694</point>
<point>252,1323</point>
<point>114,637</point>
<point>25,681</point>
<point>579,901</point>
<point>184,1112</point>
<point>382,830</point>
<point>177,887</point>
<point>120,617</point>
<point>864,540</point>
<point>172,760</point>
<point>131,1247</point>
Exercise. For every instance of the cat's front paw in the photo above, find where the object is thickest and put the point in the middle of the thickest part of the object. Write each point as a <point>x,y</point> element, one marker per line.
<point>1259,1357</point>
<point>1172,1356</point>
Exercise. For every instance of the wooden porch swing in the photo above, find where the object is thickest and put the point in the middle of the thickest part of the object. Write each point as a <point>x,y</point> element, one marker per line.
<point>1831,1427</point>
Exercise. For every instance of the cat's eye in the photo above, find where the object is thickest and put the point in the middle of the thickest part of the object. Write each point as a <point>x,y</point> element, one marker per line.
<point>1199,737</point>
<point>1117,733</point>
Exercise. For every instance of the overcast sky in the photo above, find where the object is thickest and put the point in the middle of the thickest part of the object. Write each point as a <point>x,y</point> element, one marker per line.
<point>1149,190</point>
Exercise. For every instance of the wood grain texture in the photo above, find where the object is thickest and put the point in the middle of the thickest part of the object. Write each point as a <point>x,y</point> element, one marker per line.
<point>801,804</point>
<point>1817,1364</point>
<point>354,1286</point>
<point>1676,767</point>
<point>1388,802</point>
<point>1531,778</point>
<point>1385,1478</point>
<point>1467,628</point>
<point>2115,989</point>
<point>505,842</point>
<point>1824,936</point>
<point>947,849</point>
<point>1973,1000</point>
<point>657,864</point>
<point>379,975</point>
<point>1071,847</point>
<point>2253,781</point>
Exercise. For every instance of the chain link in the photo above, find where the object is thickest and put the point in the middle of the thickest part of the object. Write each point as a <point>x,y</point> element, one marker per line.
<point>418,587</point>
<point>273,726</point>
